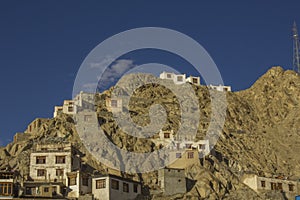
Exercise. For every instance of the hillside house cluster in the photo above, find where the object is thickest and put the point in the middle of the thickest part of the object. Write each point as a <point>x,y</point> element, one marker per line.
<point>182,151</point>
<point>57,171</point>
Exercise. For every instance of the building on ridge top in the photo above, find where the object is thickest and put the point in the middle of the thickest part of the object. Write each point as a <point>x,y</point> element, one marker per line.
<point>180,78</point>
<point>35,125</point>
<point>194,80</point>
<point>220,88</point>
<point>176,78</point>
<point>82,101</point>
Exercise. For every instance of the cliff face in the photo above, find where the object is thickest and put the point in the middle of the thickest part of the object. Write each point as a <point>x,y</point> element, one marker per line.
<point>260,135</point>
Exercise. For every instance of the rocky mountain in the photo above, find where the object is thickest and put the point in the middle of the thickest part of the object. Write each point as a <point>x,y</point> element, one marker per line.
<point>260,135</point>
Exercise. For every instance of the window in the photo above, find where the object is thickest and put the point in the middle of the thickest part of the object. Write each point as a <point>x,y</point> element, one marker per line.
<point>166,135</point>
<point>6,176</point>
<point>178,155</point>
<point>169,76</point>
<point>60,159</point>
<point>114,103</point>
<point>179,78</point>
<point>115,184</point>
<point>279,186</point>
<point>6,189</point>
<point>291,187</point>
<point>85,181</point>
<point>263,184</point>
<point>273,186</point>
<point>100,183</point>
<point>188,146</point>
<point>46,189</point>
<point>70,109</point>
<point>44,149</point>
<point>72,181</point>
<point>201,146</point>
<point>59,172</point>
<point>125,187</point>
<point>87,118</point>
<point>195,80</point>
<point>41,172</point>
<point>60,148</point>
<point>41,160</point>
<point>190,155</point>
<point>135,188</point>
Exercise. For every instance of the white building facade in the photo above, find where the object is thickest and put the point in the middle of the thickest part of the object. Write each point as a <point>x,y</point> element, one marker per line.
<point>176,78</point>
<point>111,187</point>
<point>220,88</point>
<point>55,172</point>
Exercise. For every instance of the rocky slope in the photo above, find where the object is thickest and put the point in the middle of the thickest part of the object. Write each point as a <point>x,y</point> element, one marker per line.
<point>259,136</point>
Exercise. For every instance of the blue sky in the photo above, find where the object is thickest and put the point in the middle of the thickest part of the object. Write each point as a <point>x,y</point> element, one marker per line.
<point>43,43</point>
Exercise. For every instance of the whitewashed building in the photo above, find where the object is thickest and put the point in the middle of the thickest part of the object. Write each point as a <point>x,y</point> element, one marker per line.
<point>220,88</point>
<point>82,101</point>
<point>194,80</point>
<point>68,107</point>
<point>175,142</point>
<point>114,104</point>
<point>78,183</point>
<point>54,172</point>
<point>177,78</point>
<point>262,184</point>
<point>111,187</point>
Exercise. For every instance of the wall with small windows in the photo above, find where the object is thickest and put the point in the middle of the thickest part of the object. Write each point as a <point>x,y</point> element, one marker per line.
<point>84,101</point>
<point>51,162</point>
<point>78,183</point>
<point>220,88</point>
<point>194,80</point>
<point>114,104</point>
<point>183,158</point>
<point>6,184</point>
<point>176,78</point>
<point>172,181</point>
<point>109,187</point>
<point>259,184</point>
<point>35,125</point>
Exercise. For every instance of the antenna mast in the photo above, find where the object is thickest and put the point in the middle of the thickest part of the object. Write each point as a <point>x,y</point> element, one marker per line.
<point>296,53</point>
